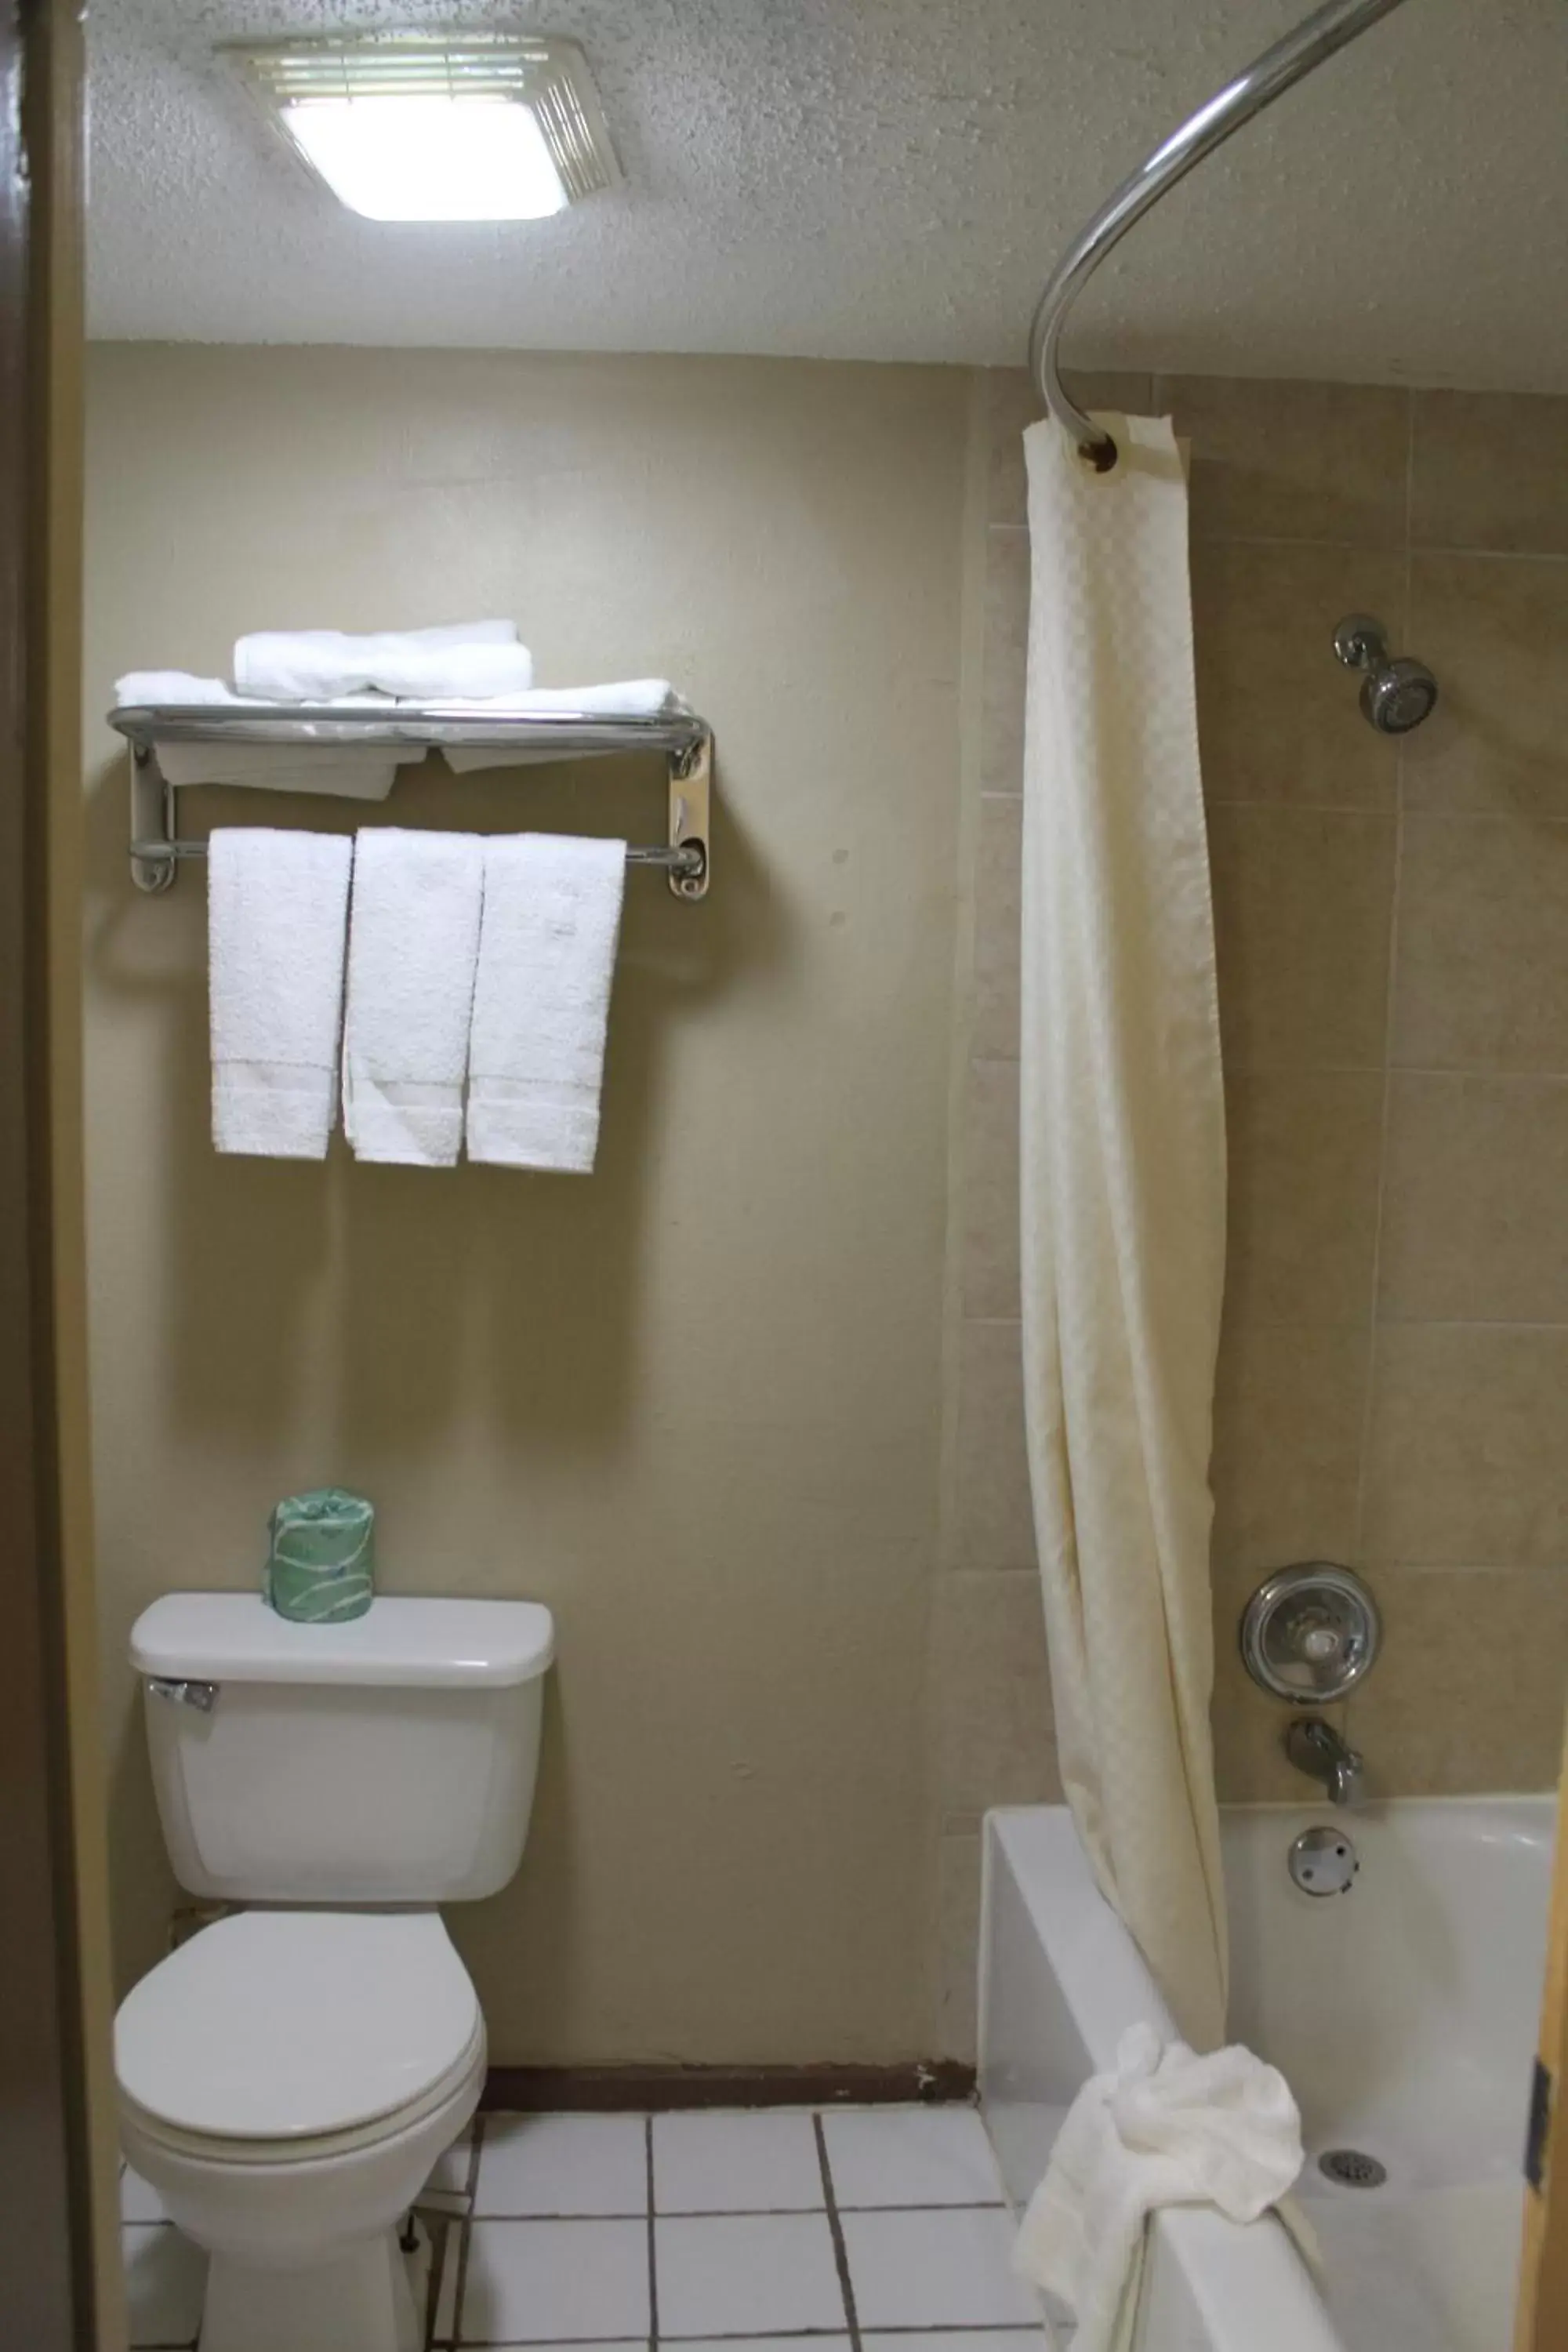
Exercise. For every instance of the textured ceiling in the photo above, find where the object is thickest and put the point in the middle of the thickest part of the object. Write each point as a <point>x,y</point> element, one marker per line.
<point>888,179</point>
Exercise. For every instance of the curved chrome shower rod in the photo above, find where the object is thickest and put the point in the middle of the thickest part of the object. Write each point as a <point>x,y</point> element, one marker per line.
<point>1258,85</point>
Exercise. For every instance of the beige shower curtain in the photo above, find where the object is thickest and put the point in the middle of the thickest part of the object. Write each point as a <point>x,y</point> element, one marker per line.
<point>1123,1186</point>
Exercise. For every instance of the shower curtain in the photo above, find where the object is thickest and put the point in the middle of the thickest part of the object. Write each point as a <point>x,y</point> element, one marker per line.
<point>1123,1187</point>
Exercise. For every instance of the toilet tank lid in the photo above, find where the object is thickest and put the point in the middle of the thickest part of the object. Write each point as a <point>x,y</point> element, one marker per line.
<point>234,1637</point>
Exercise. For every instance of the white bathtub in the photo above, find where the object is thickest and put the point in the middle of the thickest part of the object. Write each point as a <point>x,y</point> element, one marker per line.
<point>1404,2014</point>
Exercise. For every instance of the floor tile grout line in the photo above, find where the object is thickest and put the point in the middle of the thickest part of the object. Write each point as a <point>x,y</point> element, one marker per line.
<point>652,2238</point>
<point>743,2212</point>
<point>461,2280</point>
<point>453,2244</point>
<point>611,2213</point>
<point>440,2254</point>
<point>937,2204</point>
<point>770,2335</point>
<point>836,2231</point>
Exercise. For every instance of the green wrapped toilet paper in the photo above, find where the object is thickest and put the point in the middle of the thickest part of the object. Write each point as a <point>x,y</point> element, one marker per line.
<point>321,1570</point>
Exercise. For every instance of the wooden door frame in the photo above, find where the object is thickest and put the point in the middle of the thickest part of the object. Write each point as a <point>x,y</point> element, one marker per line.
<point>54,2159</point>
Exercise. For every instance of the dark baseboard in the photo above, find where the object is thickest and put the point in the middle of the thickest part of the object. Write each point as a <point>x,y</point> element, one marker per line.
<point>604,2090</point>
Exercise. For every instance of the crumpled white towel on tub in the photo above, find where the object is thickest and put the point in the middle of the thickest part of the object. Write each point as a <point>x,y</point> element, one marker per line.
<point>1165,2127</point>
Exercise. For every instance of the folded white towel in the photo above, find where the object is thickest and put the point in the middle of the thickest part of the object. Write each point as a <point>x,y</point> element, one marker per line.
<point>172,686</point>
<point>344,772</point>
<point>469,658</point>
<point>629,698</point>
<point>347,772</point>
<point>541,1000</point>
<point>276,907</point>
<point>1163,2128</point>
<point>414,934</point>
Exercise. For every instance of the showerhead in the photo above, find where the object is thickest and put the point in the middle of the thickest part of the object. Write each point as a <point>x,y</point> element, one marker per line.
<point>1396,692</point>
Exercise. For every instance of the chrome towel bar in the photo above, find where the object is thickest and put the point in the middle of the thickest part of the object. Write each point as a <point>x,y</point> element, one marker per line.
<point>158,849</point>
<point>684,858</point>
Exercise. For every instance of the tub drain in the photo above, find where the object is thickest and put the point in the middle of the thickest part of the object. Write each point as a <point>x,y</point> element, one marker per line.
<point>1351,2169</point>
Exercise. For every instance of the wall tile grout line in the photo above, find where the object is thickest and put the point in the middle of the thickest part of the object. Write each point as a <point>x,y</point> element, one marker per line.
<point>1403,546</point>
<point>1466,1323</point>
<point>1395,1564</point>
<point>836,2228</point>
<point>1297,804</point>
<point>1390,1012</point>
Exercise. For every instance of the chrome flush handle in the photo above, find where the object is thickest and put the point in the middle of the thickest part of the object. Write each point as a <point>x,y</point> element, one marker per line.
<point>184,1694</point>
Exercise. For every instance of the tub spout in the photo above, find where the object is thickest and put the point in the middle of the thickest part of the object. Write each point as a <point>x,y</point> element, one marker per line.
<point>1316,1748</point>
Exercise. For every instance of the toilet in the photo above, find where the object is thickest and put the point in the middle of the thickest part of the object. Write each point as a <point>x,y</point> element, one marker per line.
<point>289,2077</point>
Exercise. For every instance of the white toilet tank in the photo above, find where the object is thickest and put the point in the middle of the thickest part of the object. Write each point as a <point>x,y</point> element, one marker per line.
<point>391,1760</point>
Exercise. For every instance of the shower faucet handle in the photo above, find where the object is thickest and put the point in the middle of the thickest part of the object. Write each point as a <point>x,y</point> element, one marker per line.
<point>1310,1632</point>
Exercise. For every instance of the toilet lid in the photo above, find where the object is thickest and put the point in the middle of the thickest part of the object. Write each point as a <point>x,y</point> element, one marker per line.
<point>280,2024</point>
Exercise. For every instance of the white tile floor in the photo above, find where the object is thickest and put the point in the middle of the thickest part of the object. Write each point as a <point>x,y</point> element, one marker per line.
<point>864,2230</point>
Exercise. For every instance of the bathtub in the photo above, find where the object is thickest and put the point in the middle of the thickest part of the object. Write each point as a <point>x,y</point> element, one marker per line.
<point>1402,2011</point>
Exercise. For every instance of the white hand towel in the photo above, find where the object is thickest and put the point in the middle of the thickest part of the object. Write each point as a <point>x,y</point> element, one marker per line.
<point>469,658</point>
<point>541,1000</point>
<point>629,698</point>
<point>414,934</point>
<point>277,904</point>
<point>1163,2128</point>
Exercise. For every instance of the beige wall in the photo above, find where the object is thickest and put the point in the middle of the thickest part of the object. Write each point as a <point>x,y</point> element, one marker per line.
<point>1392,938</point>
<point>721,1406</point>
<point>693,1402</point>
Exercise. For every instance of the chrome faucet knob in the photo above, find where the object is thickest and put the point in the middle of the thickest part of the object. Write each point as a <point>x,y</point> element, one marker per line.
<point>1310,1632</point>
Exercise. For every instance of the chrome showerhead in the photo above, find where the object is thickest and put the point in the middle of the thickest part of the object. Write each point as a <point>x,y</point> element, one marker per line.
<point>1397,693</point>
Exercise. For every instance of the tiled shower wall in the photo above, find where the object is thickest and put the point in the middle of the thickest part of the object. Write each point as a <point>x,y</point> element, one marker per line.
<point>1391,925</point>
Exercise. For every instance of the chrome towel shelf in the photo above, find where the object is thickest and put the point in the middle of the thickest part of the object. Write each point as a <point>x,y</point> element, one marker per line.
<point>157,849</point>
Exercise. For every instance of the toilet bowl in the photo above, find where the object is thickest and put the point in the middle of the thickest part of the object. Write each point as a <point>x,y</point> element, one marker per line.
<point>290,2077</point>
<point>288,2082</point>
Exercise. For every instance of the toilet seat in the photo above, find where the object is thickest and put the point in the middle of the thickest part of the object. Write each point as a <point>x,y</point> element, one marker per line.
<point>281,2035</point>
<point>312,2148</point>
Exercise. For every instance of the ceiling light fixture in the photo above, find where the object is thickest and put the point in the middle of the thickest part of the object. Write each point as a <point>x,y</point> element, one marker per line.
<point>420,127</point>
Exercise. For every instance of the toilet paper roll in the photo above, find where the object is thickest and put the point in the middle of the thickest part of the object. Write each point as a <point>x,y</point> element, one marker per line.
<point>321,1569</point>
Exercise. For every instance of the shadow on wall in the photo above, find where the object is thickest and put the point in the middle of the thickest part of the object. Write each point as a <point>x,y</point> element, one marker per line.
<point>436,1275</point>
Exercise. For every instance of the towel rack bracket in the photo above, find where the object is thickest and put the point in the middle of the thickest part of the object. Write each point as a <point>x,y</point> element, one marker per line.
<point>690,809</point>
<point>152,821</point>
